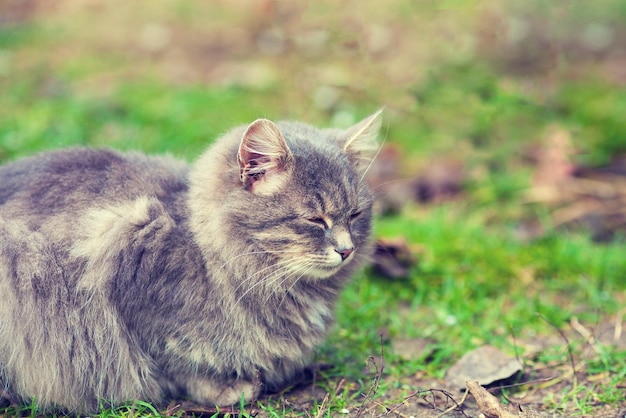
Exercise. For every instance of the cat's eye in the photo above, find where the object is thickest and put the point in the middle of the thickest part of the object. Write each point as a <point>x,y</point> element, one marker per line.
<point>318,221</point>
<point>355,215</point>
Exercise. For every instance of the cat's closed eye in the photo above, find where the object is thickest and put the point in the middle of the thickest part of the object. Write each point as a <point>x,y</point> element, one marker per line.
<point>318,221</point>
<point>355,215</point>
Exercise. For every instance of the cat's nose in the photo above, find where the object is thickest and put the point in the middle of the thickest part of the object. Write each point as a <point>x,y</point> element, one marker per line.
<point>344,252</point>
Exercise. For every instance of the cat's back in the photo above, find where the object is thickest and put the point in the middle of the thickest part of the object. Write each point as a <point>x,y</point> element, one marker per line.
<point>74,179</point>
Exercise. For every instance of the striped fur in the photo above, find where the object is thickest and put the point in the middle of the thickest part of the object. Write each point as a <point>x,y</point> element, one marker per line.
<point>124,276</point>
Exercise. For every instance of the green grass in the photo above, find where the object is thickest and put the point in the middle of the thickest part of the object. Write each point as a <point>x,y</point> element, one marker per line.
<point>146,116</point>
<point>474,282</point>
<point>474,285</point>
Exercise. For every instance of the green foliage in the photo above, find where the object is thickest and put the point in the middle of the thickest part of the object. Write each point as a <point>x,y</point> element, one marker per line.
<point>468,102</point>
<point>11,37</point>
<point>595,110</point>
<point>47,114</point>
<point>469,111</point>
<point>474,285</point>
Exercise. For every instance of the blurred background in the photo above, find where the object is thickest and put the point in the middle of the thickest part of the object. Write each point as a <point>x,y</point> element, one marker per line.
<point>495,102</point>
<point>501,183</point>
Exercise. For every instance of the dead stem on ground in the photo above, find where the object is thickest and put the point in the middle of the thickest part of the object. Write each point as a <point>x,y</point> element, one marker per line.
<point>377,377</point>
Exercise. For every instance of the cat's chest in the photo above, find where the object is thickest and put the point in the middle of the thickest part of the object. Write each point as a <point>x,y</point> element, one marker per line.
<point>255,337</point>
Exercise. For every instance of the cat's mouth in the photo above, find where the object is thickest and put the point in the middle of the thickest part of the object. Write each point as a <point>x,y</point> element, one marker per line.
<point>318,266</point>
<point>328,269</point>
<point>323,272</point>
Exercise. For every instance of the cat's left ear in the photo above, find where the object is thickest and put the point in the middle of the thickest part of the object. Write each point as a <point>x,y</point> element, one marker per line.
<point>265,160</point>
<point>361,140</point>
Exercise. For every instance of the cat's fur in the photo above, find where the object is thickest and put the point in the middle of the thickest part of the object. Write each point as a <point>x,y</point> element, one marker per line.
<point>124,276</point>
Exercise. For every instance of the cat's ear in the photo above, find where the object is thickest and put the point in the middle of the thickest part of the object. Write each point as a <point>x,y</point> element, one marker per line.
<point>360,141</point>
<point>265,160</point>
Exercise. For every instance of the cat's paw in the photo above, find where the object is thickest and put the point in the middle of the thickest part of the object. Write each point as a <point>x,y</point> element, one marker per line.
<point>222,394</point>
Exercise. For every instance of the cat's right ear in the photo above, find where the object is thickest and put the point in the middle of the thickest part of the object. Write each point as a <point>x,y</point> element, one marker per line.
<point>360,141</point>
<point>265,160</point>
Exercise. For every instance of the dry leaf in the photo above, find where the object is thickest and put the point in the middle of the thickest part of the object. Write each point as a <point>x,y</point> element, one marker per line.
<point>441,180</point>
<point>392,258</point>
<point>490,407</point>
<point>485,364</point>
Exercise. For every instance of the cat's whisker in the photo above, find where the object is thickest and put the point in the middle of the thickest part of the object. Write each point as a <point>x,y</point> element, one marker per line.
<point>320,259</point>
<point>301,269</point>
<point>292,286</point>
<point>297,265</point>
<point>271,252</point>
<point>282,270</point>
<point>255,285</point>
<point>275,289</point>
<point>282,264</point>
<point>310,259</point>
<point>258,272</point>
<point>407,180</point>
<point>270,280</point>
<point>267,280</point>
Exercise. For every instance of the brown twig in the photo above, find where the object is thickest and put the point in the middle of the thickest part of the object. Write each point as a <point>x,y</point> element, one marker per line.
<point>586,334</point>
<point>457,405</point>
<point>377,377</point>
<point>321,409</point>
<point>433,403</point>
<point>171,409</point>
<point>569,349</point>
<point>488,404</point>
<point>517,355</point>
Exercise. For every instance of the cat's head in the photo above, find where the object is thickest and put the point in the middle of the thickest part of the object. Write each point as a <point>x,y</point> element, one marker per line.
<point>303,198</point>
<point>285,200</point>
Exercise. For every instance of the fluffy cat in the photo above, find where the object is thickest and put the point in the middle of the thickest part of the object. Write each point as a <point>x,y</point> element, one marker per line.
<point>124,276</point>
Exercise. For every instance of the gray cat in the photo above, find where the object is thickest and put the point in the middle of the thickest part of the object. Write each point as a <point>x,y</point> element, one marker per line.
<point>124,276</point>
